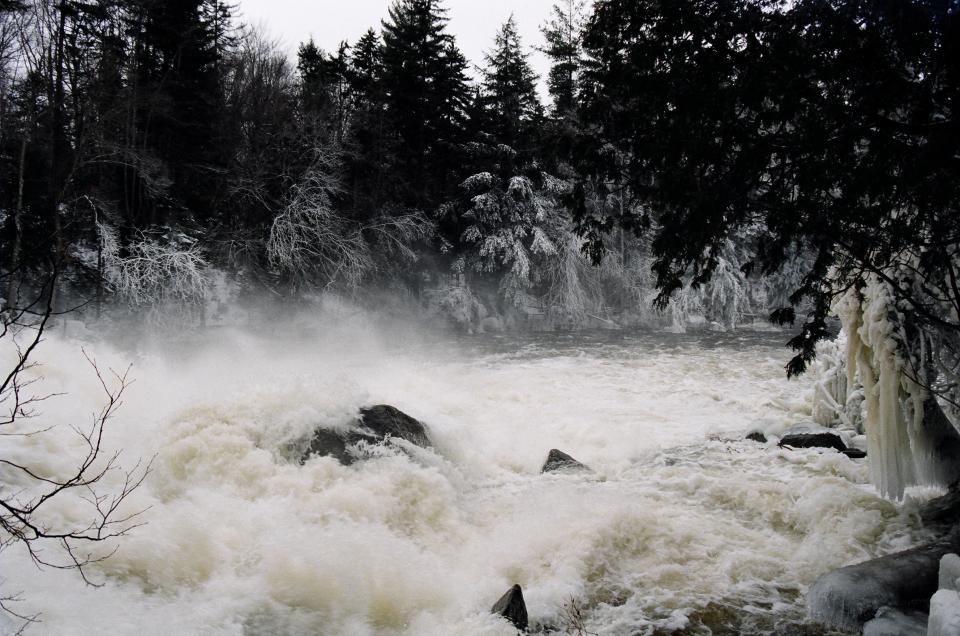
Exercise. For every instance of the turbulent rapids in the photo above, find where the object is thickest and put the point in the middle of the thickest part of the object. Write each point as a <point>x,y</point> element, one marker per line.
<point>682,527</point>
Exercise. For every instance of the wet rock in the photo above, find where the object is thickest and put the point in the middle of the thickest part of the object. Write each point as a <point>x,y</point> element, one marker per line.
<point>512,607</point>
<point>942,511</point>
<point>757,436</point>
<point>386,421</point>
<point>376,424</point>
<point>854,453</point>
<point>812,437</point>
<point>558,461</point>
<point>851,596</point>
<point>327,443</point>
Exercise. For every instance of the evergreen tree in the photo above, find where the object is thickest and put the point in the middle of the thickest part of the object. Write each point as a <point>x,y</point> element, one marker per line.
<point>564,36</point>
<point>425,92</point>
<point>178,54</point>
<point>511,109</point>
<point>370,146</point>
<point>325,91</point>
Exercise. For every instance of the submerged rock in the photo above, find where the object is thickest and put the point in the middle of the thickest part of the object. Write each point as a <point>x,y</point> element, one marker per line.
<point>558,461</point>
<point>376,424</point>
<point>850,597</point>
<point>757,436</point>
<point>512,607</point>
<point>854,453</point>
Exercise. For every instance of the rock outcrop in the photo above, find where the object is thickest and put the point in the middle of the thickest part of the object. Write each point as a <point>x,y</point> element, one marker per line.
<point>558,462</point>
<point>376,424</point>
<point>817,439</point>
<point>512,607</point>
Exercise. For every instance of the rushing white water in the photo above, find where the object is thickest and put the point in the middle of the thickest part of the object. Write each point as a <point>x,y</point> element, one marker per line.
<point>683,527</point>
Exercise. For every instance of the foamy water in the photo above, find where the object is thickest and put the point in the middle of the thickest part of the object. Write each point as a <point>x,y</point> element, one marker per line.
<point>683,528</point>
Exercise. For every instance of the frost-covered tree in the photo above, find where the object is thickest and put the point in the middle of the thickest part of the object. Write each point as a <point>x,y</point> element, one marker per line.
<point>164,273</point>
<point>309,240</point>
<point>512,229</point>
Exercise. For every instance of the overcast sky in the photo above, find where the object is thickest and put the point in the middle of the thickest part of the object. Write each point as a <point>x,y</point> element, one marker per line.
<point>473,22</point>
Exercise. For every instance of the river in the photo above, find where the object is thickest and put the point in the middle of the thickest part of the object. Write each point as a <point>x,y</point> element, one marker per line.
<point>682,528</point>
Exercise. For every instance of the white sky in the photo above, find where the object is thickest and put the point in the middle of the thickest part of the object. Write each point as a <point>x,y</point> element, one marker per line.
<point>473,22</point>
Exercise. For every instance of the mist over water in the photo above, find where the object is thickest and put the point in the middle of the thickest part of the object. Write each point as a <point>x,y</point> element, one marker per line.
<point>683,527</point>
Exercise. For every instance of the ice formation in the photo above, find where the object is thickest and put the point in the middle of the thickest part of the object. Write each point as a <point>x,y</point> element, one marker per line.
<point>910,440</point>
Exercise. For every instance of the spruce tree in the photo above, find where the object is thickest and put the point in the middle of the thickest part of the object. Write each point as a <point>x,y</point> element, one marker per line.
<point>425,92</point>
<point>369,145</point>
<point>178,50</point>
<point>511,108</point>
<point>564,36</point>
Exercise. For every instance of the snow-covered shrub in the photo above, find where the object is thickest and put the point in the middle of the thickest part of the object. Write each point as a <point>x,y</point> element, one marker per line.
<point>309,239</point>
<point>165,274</point>
<point>513,227</point>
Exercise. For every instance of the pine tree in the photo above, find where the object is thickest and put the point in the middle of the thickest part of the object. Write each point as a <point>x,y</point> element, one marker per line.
<point>425,91</point>
<point>511,108</point>
<point>564,36</point>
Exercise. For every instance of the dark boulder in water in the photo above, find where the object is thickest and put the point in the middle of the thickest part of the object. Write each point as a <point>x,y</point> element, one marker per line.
<point>757,436</point>
<point>376,424</point>
<point>512,607</point>
<point>854,453</point>
<point>818,438</point>
<point>385,421</point>
<point>558,461</point>
<point>327,443</point>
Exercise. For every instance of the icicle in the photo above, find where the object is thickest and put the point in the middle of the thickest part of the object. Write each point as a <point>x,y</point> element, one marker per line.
<point>891,457</point>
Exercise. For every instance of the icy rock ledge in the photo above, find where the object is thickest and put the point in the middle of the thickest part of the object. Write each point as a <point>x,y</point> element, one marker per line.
<point>851,596</point>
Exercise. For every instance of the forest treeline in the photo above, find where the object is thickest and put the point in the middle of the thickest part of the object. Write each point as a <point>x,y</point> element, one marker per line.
<point>706,159</point>
<point>147,145</point>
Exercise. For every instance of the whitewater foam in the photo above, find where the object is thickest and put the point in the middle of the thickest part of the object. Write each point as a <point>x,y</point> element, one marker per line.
<point>682,526</point>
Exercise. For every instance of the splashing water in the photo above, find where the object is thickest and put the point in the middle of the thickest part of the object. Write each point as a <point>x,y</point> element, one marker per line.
<point>682,528</point>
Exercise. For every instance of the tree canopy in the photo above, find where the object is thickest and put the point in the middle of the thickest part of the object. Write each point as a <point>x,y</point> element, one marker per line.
<point>828,126</point>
